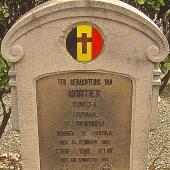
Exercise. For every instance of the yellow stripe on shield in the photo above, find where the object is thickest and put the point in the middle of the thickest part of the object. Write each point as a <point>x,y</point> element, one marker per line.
<point>84,43</point>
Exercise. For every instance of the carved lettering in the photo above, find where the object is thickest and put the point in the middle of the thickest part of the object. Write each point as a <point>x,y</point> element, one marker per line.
<point>81,104</point>
<point>85,114</point>
<point>102,133</point>
<point>84,151</point>
<point>62,82</point>
<point>88,142</point>
<point>80,114</point>
<point>63,151</point>
<point>95,123</point>
<point>65,133</point>
<point>81,82</point>
<point>84,93</point>
<point>63,142</point>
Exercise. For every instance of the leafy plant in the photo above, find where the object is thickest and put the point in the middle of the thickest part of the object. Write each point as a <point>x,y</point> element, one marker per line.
<point>4,77</point>
<point>165,65</point>
<point>4,11</point>
<point>4,89</point>
<point>156,4</point>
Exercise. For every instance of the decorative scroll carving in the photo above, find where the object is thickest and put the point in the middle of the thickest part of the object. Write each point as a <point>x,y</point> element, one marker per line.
<point>154,54</point>
<point>17,53</point>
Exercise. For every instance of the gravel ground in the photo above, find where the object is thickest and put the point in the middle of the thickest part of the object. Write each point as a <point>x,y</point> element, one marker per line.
<point>159,152</point>
<point>10,149</point>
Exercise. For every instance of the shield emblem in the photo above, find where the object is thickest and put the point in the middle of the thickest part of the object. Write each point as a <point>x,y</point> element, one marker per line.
<point>84,43</point>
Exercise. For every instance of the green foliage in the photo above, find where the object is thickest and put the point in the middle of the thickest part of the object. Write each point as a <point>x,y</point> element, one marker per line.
<point>4,77</point>
<point>165,65</point>
<point>4,10</point>
<point>156,4</point>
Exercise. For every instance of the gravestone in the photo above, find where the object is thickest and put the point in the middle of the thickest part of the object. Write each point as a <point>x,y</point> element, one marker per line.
<point>85,78</point>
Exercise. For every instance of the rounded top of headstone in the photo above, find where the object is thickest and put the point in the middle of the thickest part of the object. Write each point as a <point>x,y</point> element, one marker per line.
<point>44,14</point>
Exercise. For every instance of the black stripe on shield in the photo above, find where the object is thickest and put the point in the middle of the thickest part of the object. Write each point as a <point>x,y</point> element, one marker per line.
<point>71,43</point>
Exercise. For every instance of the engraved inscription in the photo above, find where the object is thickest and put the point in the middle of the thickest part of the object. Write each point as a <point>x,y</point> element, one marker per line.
<point>84,121</point>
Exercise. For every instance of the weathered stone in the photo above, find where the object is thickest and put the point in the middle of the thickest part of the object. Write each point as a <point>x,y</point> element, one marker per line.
<point>85,113</point>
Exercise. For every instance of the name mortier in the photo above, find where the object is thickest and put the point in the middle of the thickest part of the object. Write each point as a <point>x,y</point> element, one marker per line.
<point>84,93</point>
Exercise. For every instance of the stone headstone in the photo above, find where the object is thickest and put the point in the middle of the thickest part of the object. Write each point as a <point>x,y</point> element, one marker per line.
<point>85,78</point>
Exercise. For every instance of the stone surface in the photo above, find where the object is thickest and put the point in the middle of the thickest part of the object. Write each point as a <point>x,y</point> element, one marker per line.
<point>133,46</point>
<point>84,120</point>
